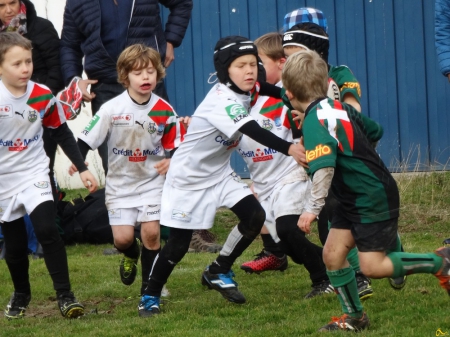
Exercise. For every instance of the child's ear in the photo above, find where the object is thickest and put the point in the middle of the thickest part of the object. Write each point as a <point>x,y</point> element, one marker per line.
<point>281,63</point>
<point>289,95</point>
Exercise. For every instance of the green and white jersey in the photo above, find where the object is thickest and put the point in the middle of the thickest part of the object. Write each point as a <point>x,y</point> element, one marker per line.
<point>336,135</point>
<point>346,81</point>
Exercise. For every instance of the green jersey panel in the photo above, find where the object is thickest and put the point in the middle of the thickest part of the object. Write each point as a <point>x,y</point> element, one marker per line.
<point>336,135</point>
<point>346,81</point>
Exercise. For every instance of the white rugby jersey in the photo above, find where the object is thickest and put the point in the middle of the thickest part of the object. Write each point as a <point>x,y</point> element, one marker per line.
<point>137,136</point>
<point>203,159</point>
<point>266,165</point>
<point>22,156</point>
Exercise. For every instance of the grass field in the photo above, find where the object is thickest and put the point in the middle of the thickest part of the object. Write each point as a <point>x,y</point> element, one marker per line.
<point>275,304</point>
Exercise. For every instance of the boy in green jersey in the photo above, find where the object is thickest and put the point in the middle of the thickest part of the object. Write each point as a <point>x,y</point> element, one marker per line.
<point>339,152</point>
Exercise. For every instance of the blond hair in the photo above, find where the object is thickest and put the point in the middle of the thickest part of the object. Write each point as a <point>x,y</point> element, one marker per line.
<point>12,39</point>
<point>305,75</point>
<point>271,45</point>
<point>137,57</point>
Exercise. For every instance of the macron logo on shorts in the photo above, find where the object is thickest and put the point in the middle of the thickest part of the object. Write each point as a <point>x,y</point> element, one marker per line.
<point>181,215</point>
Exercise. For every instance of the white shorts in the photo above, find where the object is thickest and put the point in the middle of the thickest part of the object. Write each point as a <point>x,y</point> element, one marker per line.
<point>26,201</point>
<point>134,215</point>
<point>287,198</point>
<point>197,209</point>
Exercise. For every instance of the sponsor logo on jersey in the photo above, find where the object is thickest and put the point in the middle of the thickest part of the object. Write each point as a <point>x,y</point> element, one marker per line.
<point>229,143</point>
<point>114,213</point>
<point>6,111</point>
<point>141,124</point>
<point>137,155</point>
<point>319,151</point>
<point>236,112</point>
<point>154,212</point>
<point>151,128</point>
<point>333,90</point>
<point>91,125</point>
<point>46,193</point>
<point>20,114</point>
<point>18,145</point>
<point>267,124</point>
<point>42,184</point>
<point>277,121</point>
<point>180,215</point>
<point>160,130</point>
<point>122,120</point>
<point>259,155</point>
<point>32,116</point>
<point>288,37</point>
<point>352,85</point>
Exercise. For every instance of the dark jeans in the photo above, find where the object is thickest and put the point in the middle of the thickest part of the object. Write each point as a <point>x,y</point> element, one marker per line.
<point>105,92</point>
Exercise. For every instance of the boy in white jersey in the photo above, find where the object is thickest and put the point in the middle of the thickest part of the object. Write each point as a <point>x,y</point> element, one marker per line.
<point>202,179</point>
<point>281,185</point>
<point>139,127</point>
<point>25,107</point>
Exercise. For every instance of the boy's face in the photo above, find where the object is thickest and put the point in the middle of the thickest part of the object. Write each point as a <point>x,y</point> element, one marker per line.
<point>288,51</point>
<point>142,82</point>
<point>8,10</point>
<point>273,68</point>
<point>16,70</point>
<point>243,72</point>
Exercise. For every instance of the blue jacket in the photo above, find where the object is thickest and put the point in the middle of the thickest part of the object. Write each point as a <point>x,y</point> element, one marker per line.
<point>442,34</point>
<point>80,35</point>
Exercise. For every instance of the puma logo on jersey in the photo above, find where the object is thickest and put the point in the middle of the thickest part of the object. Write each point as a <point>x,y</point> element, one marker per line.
<point>319,151</point>
<point>20,114</point>
<point>136,122</point>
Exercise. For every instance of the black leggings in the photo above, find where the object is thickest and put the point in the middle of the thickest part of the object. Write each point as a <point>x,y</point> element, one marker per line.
<point>16,249</point>
<point>251,219</point>
<point>302,251</point>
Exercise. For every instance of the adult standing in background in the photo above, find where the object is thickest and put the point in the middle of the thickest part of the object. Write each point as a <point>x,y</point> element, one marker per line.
<point>20,16</point>
<point>99,30</point>
<point>442,36</point>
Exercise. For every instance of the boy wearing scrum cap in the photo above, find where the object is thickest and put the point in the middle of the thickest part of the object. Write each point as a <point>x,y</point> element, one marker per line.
<point>191,196</point>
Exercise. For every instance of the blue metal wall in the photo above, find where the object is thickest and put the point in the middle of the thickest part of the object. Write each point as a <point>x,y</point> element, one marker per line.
<point>389,45</point>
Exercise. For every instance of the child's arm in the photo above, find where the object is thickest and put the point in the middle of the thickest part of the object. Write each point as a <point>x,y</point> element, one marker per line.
<point>64,137</point>
<point>267,138</point>
<point>321,184</point>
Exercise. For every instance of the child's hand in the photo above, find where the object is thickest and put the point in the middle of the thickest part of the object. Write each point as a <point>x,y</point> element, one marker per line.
<point>297,151</point>
<point>300,117</point>
<point>162,166</point>
<point>185,121</point>
<point>305,220</point>
<point>89,181</point>
<point>83,85</point>
<point>73,169</point>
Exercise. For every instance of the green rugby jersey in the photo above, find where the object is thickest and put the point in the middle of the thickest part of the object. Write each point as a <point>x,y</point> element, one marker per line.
<point>336,135</point>
<point>345,80</point>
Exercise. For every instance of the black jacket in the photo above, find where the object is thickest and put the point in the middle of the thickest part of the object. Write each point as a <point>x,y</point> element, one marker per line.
<point>81,35</point>
<point>45,41</point>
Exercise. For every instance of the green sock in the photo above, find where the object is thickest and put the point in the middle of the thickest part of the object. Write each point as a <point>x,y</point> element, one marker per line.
<point>353,259</point>
<point>344,283</point>
<point>410,263</point>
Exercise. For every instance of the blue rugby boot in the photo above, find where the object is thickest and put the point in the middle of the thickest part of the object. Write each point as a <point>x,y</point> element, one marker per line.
<point>224,284</point>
